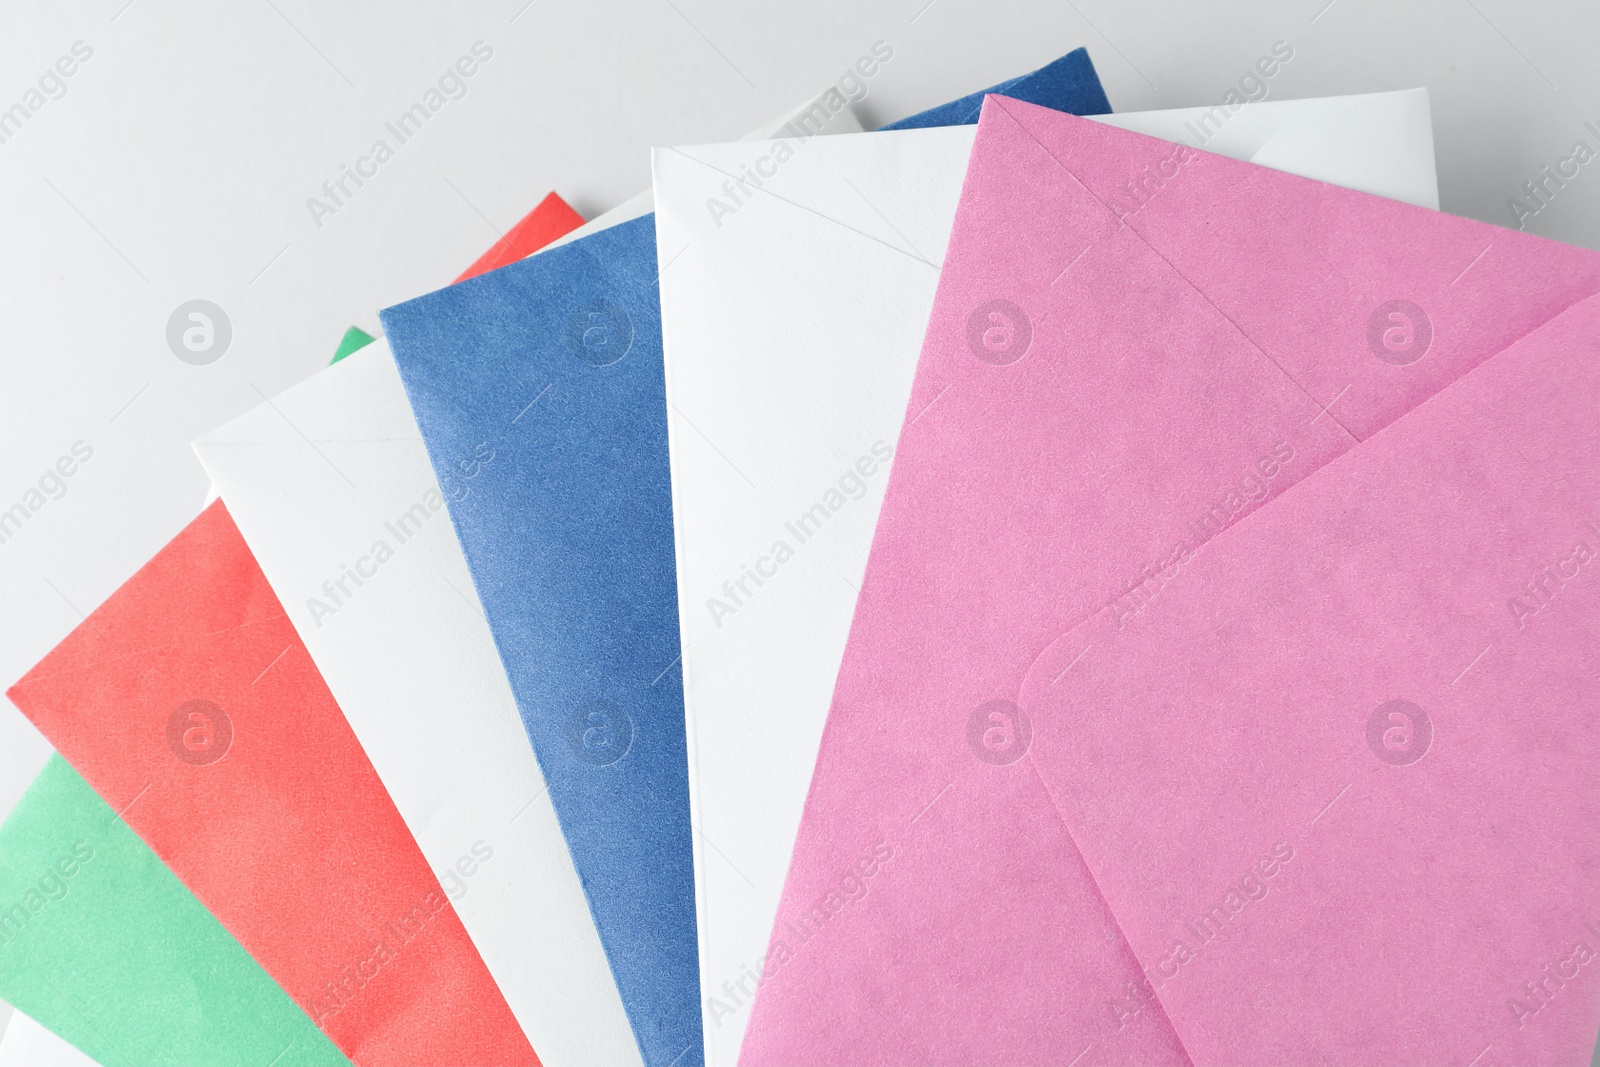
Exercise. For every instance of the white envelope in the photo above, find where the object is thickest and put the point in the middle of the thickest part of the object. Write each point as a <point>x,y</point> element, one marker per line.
<point>24,1043</point>
<point>228,154</point>
<point>792,324</point>
<point>844,120</point>
<point>316,480</point>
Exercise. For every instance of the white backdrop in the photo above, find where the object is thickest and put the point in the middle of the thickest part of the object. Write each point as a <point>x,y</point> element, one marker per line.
<point>176,162</point>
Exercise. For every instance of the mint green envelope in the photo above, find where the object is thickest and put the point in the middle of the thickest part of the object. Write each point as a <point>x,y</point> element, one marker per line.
<point>102,944</point>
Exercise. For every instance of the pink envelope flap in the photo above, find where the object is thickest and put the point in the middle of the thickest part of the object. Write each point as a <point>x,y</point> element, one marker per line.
<point>1335,778</point>
<point>1133,346</point>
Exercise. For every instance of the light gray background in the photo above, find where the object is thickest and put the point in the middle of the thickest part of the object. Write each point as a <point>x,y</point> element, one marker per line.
<point>178,163</point>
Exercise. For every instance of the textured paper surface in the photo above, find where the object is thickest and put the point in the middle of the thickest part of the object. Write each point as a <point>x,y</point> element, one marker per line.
<point>538,392</point>
<point>190,705</point>
<point>409,658</point>
<point>1069,83</point>
<point>563,507</point>
<point>465,790</point>
<point>398,654</point>
<point>791,332</point>
<point>1095,379</point>
<point>1301,772</point>
<point>102,945</point>
<point>550,219</point>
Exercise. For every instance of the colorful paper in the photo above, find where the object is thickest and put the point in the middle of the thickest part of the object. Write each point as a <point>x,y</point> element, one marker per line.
<point>354,340</point>
<point>162,1011</point>
<point>790,339</point>
<point>562,992</point>
<point>1300,772</point>
<point>102,944</point>
<point>564,513</point>
<point>1133,344</point>
<point>409,658</point>
<point>551,218</point>
<point>555,469</point>
<point>404,658</point>
<point>1069,83</point>
<point>189,704</point>
<point>393,659</point>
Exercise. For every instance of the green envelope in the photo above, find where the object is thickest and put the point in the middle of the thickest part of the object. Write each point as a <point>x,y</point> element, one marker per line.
<point>354,339</point>
<point>102,944</point>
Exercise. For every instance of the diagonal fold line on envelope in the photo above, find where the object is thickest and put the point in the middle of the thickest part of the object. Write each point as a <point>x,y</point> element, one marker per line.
<point>1245,528</point>
<point>1087,824</point>
<point>1253,177</point>
<point>913,254</point>
<point>968,473</point>
<point>1000,106</point>
<point>1399,437</point>
<point>644,952</point>
<point>1407,176</point>
<point>886,220</point>
<point>707,439</point>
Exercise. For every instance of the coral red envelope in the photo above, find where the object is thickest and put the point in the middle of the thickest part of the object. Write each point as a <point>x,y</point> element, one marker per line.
<point>189,703</point>
<point>550,219</point>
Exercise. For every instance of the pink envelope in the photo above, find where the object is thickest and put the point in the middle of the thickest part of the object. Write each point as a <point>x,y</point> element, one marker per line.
<point>1336,780</point>
<point>1134,345</point>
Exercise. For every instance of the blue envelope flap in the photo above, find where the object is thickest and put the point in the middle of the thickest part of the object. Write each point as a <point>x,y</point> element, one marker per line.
<point>1067,84</point>
<point>539,390</point>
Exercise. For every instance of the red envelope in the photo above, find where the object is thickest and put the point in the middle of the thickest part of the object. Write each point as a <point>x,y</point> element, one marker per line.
<point>552,218</point>
<point>191,706</point>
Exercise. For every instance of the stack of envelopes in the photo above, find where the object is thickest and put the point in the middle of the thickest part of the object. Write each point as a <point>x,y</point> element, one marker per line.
<point>1025,585</point>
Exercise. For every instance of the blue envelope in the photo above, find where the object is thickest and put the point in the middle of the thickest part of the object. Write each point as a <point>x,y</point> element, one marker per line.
<point>539,389</point>
<point>1068,84</point>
